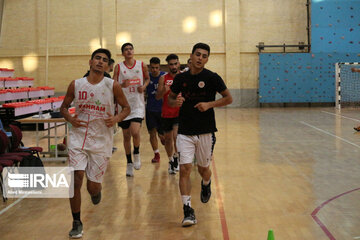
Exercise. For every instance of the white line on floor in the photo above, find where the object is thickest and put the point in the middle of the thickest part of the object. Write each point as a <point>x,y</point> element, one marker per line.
<point>354,119</point>
<point>13,204</point>
<point>323,131</point>
<point>20,199</point>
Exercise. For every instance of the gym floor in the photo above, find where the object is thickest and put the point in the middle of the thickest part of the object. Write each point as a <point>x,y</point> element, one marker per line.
<point>292,170</point>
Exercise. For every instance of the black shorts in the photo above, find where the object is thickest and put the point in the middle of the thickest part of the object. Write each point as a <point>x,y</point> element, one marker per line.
<point>153,120</point>
<point>126,124</point>
<point>167,124</point>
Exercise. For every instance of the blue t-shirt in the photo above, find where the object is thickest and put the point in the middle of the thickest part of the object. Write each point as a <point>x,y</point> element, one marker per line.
<point>152,104</point>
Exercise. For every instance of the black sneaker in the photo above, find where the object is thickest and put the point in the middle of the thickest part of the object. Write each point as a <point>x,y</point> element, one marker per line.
<point>77,229</point>
<point>205,192</point>
<point>176,164</point>
<point>171,168</point>
<point>96,199</point>
<point>189,216</point>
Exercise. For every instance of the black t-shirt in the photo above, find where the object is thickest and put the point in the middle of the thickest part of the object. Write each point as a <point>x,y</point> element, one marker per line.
<point>197,88</point>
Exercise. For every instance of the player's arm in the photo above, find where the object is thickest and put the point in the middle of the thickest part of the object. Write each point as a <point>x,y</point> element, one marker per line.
<point>225,100</point>
<point>122,101</point>
<point>355,69</point>
<point>146,78</point>
<point>175,100</point>
<point>161,88</point>
<point>64,109</point>
<point>116,72</point>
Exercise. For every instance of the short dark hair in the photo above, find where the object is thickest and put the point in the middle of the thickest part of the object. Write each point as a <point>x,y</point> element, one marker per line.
<point>111,61</point>
<point>201,46</point>
<point>101,50</point>
<point>171,57</point>
<point>125,45</point>
<point>155,60</point>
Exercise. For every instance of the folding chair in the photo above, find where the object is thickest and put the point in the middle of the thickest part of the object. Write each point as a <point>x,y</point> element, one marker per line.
<point>18,146</point>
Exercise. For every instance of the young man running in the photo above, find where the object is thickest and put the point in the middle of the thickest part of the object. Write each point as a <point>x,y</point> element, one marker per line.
<point>153,108</point>
<point>194,91</point>
<point>169,115</point>
<point>91,135</point>
<point>133,77</point>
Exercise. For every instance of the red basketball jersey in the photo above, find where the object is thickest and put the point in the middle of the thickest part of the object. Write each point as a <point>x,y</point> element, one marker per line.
<point>166,110</point>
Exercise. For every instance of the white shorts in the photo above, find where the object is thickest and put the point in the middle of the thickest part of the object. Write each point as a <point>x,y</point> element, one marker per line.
<point>201,146</point>
<point>93,164</point>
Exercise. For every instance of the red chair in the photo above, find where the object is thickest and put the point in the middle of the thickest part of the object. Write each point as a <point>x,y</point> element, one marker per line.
<point>16,144</point>
<point>16,157</point>
<point>1,184</point>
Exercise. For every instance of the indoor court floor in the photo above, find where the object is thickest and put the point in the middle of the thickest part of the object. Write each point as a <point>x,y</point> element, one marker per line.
<point>292,170</point>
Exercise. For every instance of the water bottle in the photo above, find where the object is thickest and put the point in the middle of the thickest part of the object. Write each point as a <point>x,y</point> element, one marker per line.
<point>40,113</point>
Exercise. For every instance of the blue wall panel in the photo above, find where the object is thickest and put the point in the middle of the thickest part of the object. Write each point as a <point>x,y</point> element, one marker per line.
<point>299,77</point>
<point>335,26</point>
<point>310,77</point>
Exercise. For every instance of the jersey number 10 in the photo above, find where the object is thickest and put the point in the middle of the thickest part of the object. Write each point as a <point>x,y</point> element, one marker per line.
<point>82,95</point>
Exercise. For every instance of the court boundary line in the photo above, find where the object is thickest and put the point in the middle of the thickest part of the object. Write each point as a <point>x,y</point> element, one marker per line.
<point>339,115</point>
<point>316,210</point>
<point>20,199</point>
<point>224,227</point>
<point>328,133</point>
<point>13,204</point>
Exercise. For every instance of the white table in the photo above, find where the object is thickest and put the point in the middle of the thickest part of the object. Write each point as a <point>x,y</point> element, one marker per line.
<point>58,122</point>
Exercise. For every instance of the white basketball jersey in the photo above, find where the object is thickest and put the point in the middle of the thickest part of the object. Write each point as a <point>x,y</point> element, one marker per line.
<point>134,98</point>
<point>92,102</point>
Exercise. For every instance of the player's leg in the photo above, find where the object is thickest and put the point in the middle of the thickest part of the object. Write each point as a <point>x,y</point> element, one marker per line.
<point>125,125</point>
<point>203,155</point>
<point>135,127</point>
<point>151,125</point>
<point>95,171</point>
<point>186,148</point>
<point>154,145</point>
<point>159,128</point>
<point>78,161</point>
<point>166,126</point>
<point>75,202</point>
<point>175,155</point>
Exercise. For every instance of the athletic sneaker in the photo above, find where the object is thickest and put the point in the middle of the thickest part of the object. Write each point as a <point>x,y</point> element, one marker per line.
<point>137,161</point>
<point>129,170</point>
<point>171,168</point>
<point>176,164</point>
<point>114,149</point>
<point>357,129</point>
<point>156,158</point>
<point>77,229</point>
<point>205,192</point>
<point>96,199</point>
<point>194,162</point>
<point>189,216</point>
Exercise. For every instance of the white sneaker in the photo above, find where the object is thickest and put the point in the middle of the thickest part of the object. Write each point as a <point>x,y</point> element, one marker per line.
<point>129,170</point>
<point>137,161</point>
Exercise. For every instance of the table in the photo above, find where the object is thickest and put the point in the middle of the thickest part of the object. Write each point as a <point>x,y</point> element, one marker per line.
<point>58,122</point>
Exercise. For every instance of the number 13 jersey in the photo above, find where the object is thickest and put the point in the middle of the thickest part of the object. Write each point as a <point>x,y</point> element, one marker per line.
<point>134,98</point>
